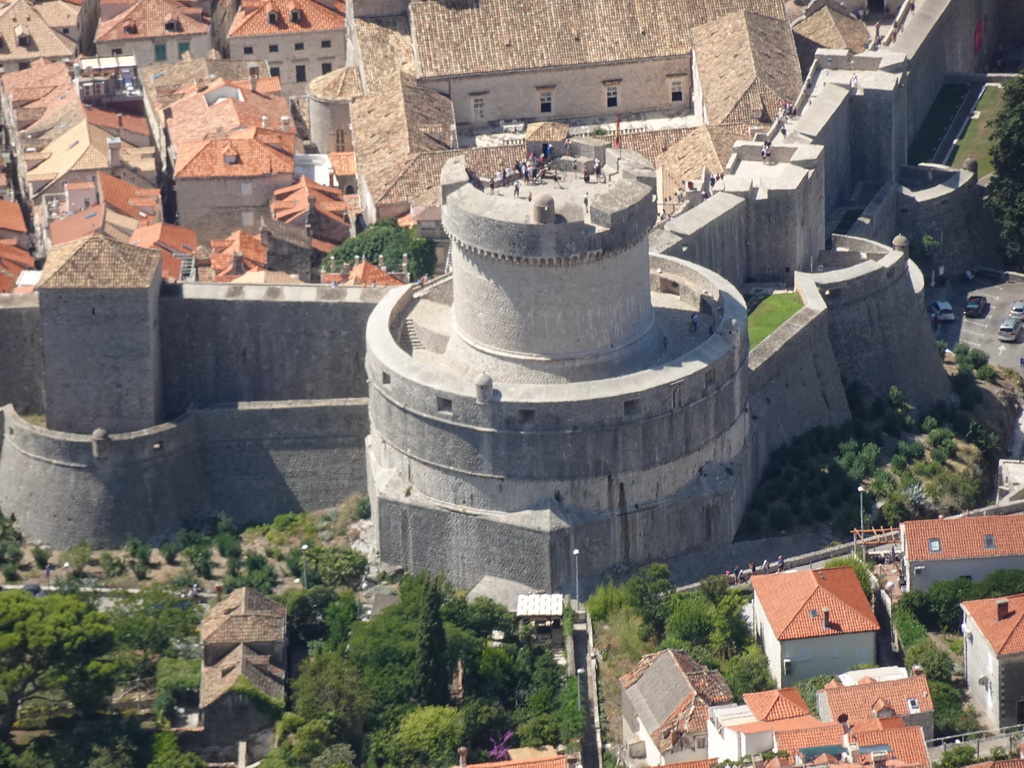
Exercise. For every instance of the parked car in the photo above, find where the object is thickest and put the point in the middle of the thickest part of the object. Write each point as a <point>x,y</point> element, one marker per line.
<point>1017,310</point>
<point>1009,329</point>
<point>942,310</point>
<point>976,306</point>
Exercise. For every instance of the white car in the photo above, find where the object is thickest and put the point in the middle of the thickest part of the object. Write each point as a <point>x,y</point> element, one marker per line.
<point>1017,309</point>
<point>942,310</point>
<point>1009,329</point>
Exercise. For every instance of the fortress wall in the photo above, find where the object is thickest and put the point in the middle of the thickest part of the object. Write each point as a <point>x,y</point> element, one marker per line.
<point>714,235</point>
<point>264,459</point>
<point>825,121</point>
<point>878,131</point>
<point>224,344</point>
<point>939,39</point>
<point>878,328</point>
<point>21,353</point>
<point>786,230</point>
<point>59,490</point>
<point>795,384</point>
<point>879,221</point>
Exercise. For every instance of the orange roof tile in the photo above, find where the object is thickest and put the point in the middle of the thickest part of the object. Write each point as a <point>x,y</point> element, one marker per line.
<point>292,202</point>
<point>963,537</point>
<point>858,701</point>
<point>128,199</point>
<point>366,274</point>
<point>542,762</point>
<point>708,763</point>
<point>109,120</point>
<point>222,257</point>
<point>824,735</point>
<point>223,108</point>
<point>242,155</point>
<point>776,705</point>
<point>343,163</point>
<point>149,18</point>
<point>82,224</point>
<point>36,81</point>
<point>905,744</point>
<point>172,241</point>
<point>1006,636</point>
<point>794,602</point>
<point>21,18</point>
<point>13,261</point>
<point>253,18</point>
<point>11,217</point>
<point>778,726</point>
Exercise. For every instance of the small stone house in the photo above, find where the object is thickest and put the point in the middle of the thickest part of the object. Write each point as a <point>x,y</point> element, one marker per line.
<point>939,550</point>
<point>869,701</point>
<point>665,702</point>
<point>994,657</point>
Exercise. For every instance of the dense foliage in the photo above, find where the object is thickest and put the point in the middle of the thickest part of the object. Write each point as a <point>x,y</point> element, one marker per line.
<point>384,243</point>
<point>1006,199</point>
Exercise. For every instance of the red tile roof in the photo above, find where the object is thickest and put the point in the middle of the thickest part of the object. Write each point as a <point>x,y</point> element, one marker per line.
<point>253,156</point>
<point>292,202</point>
<point>222,258</point>
<point>963,537</point>
<point>11,217</point>
<point>776,705</point>
<point>148,19</point>
<point>367,274</point>
<point>794,602</point>
<point>253,17</point>
<point>541,762</point>
<point>172,241</point>
<point>128,199</point>
<point>223,108</point>
<point>343,163</point>
<point>778,726</point>
<point>824,735</point>
<point>78,225</point>
<point>905,744</point>
<point>860,702</point>
<point>109,120</point>
<point>1006,636</point>
<point>13,261</point>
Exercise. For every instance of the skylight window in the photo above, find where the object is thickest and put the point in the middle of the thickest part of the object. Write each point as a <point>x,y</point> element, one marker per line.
<point>913,707</point>
<point>990,541</point>
<point>934,545</point>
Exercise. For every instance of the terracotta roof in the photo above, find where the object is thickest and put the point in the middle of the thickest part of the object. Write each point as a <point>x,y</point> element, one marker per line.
<point>11,217</point>
<point>244,616</point>
<point>343,163</point>
<point>1006,636</point>
<point>708,763</point>
<point>793,603</point>
<point>242,662</point>
<point>43,42</point>
<point>747,65</point>
<point>172,241</point>
<point>59,15</point>
<point>212,158</point>
<point>824,735</point>
<point>828,26</point>
<point>13,261</point>
<point>705,147</point>
<point>253,17</point>
<point>800,723</point>
<point>149,18</point>
<point>223,108</point>
<point>370,275</point>
<point>1011,763</point>
<point>776,705</point>
<point>540,762</point>
<point>36,81</point>
<point>385,47</point>
<point>905,744</point>
<point>337,85</point>
<point>109,120</point>
<point>492,36</point>
<point>127,198</point>
<point>292,202</point>
<point>98,262</point>
<point>94,220</point>
<point>963,537</point>
<point>547,132</point>
<point>859,701</point>
<point>169,82</point>
<point>222,257</point>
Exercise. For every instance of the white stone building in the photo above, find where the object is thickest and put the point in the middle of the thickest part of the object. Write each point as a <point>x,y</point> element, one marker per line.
<point>940,550</point>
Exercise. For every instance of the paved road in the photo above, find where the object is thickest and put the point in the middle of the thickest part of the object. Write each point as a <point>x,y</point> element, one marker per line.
<point>981,332</point>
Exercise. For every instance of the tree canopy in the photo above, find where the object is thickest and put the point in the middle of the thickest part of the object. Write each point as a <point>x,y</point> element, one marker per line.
<point>384,243</point>
<point>1006,200</point>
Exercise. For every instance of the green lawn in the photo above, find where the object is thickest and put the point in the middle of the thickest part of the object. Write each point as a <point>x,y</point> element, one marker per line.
<point>977,139</point>
<point>936,123</point>
<point>770,314</point>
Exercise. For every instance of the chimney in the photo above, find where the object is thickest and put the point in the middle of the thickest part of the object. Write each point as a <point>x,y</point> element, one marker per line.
<point>114,152</point>
<point>1002,609</point>
<point>463,752</point>
<point>917,669</point>
<point>571,761</point>
<point>237,263</point>
<point>265,121</point>
<point>825,615</point>
<point>844,720</point>
<point>757,760</point>
<point>878,759</point>
<point>120,125</point>
<point>254,75</point>
<point>405,263</point>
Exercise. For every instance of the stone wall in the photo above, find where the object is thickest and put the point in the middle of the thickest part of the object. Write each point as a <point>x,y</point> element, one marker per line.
<point>253,461</point>
<point>712,234</point>
<point>225,343</point>
<point>216,207</point>
<point>826,122</point>
<point>21,353</point>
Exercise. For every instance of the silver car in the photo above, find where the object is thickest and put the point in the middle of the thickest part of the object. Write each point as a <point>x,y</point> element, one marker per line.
<point>1017,309</point>
<point>1009,329</point>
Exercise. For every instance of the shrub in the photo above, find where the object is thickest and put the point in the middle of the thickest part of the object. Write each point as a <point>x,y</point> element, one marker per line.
<point>977,358</point>
<point>940,454</point>
<point>912,450</point>
<point>940,347</point>
<point>112,566</point>
<point>228,544</point>
<point>929,423</point>
<point>10,571</point>
<point>169,551</point>
<point>200,556</point>
<point>363,509</point>
<point>936,663</point>
<point>78,556</point>
<point>985,372</point>
<point>908,628</point>
<point>41,555</point>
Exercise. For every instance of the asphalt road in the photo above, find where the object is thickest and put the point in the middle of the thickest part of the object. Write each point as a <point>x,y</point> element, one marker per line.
<point>981,332</point>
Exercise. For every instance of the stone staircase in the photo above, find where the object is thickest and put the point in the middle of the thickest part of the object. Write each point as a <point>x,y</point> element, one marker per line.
<point>408,338</point>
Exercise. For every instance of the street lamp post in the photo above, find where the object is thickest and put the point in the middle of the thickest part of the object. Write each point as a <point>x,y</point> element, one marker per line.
<point>579,686</point>
<point>304,548</point>
<point>576,560</point>
<point>860,490</point>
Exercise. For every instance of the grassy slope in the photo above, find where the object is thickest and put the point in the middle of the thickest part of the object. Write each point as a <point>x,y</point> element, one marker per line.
<point>770,314</point>
<point>976,140</point>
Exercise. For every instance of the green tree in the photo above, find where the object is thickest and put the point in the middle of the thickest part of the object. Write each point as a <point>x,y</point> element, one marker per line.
<point>645,592</point>
<point>335,756</point>
<point>430,674</point>
<point>1006,198</point>
<point>809,688</point>
<point>936,663</point>
<point>951,716</point>
<point>691,619</point>
<point>428,738</point>
<point>747,672</point>
<point>149,623</point>
<point>51,646</point>
<point>385,242</point>
<point>957,756</point>
<point>328,687</point>
<point>731,631</point>
<point>338,567</point>
<point>167,753</point>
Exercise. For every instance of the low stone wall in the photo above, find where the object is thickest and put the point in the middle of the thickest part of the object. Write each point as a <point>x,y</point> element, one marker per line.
<point>21,353</point>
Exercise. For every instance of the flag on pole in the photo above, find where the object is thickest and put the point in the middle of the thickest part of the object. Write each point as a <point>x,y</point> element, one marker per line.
<point>618,125</point>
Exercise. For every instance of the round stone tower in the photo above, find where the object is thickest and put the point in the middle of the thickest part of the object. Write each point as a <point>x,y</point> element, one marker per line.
<point>561,390</point>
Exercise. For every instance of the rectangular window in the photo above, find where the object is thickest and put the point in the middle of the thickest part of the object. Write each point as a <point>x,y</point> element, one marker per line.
<point>247,218</point>
<point>444,405</point>
<point>990,541</point>
<point>300,73</point>
<point>183,49</point>
<point>275,71</point>
<point>325,67</point>
<point>677,90</point>
<point>114,52</point>
<point>246,187</point>
<point>631,408</point>
<point>545,101</point>
<point>247,49</point>
<point>934,545</point>
<point>612,95</point>
<point>300,46</point>
<point>160,51</point>
<point>478,107</point>
<point>273,48</point>
<point>325,43</point>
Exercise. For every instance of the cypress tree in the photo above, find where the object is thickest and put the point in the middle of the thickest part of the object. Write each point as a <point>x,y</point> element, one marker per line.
<point>431,673</point>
